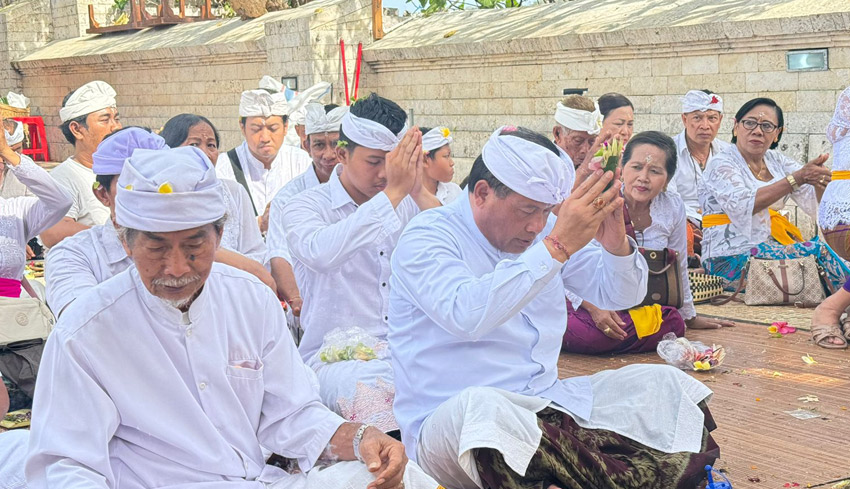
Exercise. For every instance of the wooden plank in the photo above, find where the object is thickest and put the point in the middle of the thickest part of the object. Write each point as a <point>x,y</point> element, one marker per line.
<point>758,433</point>
<point>377,20</point>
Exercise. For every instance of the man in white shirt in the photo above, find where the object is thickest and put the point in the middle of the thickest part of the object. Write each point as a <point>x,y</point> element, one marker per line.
<point>13,449</point>
<point>341,236</point>
<point>702,113</point>
<point>262,163</point>
<point>96,254</point>
<point>88,114</point>
<point>577,124</point>
<point>322,136</point>
<point>477,312</point>
<point>182,369</point>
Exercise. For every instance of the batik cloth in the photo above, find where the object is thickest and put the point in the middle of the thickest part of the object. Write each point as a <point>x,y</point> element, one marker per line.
<point>572,457</point>
<point>729,267</point>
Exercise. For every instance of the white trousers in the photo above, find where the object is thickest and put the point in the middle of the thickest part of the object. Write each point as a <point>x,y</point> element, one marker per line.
<point>13,454</point>
<point>350,475</point>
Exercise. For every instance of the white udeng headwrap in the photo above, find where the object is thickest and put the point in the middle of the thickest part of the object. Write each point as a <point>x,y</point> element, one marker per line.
<point>697,100</point>
<point>527,168</point>
<point>269,83</point>
<point>260,103</point>
<point>167,190</point>
<point>301,99</point>
<point>15,137</point>
<point>370,134</point>
<point>91,97</point>
<point>316,120</point>
<point>436,138</point>
<point>579,120</point>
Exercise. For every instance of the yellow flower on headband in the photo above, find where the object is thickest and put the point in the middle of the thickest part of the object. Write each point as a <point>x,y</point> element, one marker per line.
<point>165,188</point>
<point>446,132</point>
<point>129,187</point>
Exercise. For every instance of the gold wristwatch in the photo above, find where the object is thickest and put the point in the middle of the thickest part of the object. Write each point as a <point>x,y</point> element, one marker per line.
<point>793,181</point>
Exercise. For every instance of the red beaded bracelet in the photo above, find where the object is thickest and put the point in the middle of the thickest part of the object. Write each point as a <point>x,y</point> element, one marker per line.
<point>557,244</point>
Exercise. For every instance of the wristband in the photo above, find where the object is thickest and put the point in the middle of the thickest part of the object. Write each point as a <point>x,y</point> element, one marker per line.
<point>557,245</point>
<point>355,442</point>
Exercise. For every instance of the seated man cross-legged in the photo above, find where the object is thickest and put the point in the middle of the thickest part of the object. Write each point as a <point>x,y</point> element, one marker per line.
<point>341,236</point>
<point>477,312</point>
<point>180,372</point>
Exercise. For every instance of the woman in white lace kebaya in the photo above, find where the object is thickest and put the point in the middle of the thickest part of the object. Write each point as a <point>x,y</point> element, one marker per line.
<point>834,211</point>
<point>744,188</point>
<point>658,221</point>
<point>23,218</point>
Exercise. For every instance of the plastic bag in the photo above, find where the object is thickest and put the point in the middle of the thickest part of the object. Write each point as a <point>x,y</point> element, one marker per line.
<point>688,355</point>
<point>341,345</point>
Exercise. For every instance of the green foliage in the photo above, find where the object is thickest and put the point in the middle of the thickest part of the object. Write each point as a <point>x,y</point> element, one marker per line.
<point>431,6</point>
<point>119,5</point>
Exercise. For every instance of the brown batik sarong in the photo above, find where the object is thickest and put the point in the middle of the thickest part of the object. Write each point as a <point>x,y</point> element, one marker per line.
<point>572,457</point>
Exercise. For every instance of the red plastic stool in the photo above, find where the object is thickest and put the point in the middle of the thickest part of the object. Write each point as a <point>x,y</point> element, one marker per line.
<point>38,149</point>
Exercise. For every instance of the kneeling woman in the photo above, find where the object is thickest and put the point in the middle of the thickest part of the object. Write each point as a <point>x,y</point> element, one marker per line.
<point>746,185</point>
<point>659,222</point>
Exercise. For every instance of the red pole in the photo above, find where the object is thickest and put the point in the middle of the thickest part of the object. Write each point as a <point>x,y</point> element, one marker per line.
<point>344,71</point>
<point>357,68</point>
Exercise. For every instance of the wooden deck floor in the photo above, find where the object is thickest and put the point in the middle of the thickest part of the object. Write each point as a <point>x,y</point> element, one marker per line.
<point>761,378</point>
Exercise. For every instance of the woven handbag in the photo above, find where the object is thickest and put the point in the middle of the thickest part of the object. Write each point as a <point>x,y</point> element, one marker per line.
<point>704,287</point>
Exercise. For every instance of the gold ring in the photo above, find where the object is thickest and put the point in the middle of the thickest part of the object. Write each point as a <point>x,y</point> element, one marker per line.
<point>599,203</point>
<point>606,330</point>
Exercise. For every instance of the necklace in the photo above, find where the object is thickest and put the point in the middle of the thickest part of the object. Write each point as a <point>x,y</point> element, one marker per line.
<point>758,174</point>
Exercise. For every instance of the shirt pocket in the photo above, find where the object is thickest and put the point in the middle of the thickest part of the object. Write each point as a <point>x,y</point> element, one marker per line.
<point>246,381</point>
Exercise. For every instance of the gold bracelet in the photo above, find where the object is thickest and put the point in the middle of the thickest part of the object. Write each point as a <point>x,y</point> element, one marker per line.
<point>793,182</point>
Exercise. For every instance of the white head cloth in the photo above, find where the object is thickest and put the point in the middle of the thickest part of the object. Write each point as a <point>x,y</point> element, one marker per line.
<point>168,190</point>
<point>527,168</point>
<point>269,83</point>
<point>260,103</point>
<point>15,137</point>
<point>370,134</point>
<point>17,100</point>
<point>436,138</point>
<point>697,100</point>
<point>91,97</point>
<point>579,120</point>
<point>298,103</point>
<point>316,120</point>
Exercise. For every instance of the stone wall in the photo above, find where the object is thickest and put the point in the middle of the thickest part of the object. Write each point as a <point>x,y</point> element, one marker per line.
<point>475,84</point>
<point>24,27</point>
<point>71,17</point>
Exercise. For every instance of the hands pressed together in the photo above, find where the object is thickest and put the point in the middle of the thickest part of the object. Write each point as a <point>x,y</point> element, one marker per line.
<point>591,211</point>
<point>814,173</point>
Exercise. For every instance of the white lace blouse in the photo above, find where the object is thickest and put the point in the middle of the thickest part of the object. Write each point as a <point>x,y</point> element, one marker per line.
<point>729,187</point>
<point>23,218</point>
<point>668,230</point>
<point>835,205</point>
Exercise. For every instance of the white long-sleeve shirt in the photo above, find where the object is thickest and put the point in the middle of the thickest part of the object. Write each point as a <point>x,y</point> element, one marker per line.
<point>729,187</point>
<point>263,184</point>
<point>463,313</point>
<point>688,174</point>
<point>276,236</point>
<point>90,257</point>
<point>23,218</point>
<point>134,394</point>
<point>341,254</point>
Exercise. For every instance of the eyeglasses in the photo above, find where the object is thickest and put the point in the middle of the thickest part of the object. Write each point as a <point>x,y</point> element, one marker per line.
<point>766,127</point>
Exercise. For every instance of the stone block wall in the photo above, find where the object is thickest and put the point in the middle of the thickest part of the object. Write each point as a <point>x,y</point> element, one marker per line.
<point>473,89</point>
<point>151,88</point>
<point>24,27</point>
<point>71,17</point>
<point>309,47</point>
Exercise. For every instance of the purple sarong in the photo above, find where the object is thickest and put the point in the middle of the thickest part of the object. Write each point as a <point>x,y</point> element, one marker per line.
<point>583,336</point>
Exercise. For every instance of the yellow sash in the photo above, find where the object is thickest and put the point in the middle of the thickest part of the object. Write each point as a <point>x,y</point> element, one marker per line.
<point>647,320</point>
<point>780,228</point>
<point>841,175</point>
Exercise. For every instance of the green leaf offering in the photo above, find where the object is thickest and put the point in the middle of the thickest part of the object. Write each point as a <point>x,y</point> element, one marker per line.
<point>610,154</point>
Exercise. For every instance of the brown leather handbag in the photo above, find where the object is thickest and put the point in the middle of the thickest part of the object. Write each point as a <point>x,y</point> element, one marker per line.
<point>664,285</point>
